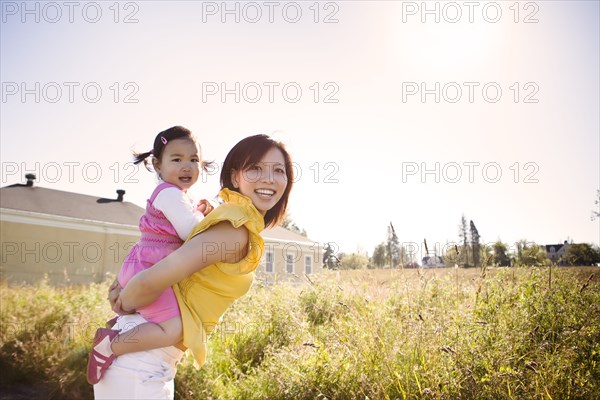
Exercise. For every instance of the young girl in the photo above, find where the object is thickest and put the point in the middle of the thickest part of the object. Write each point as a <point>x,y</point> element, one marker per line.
<point>169,219</point>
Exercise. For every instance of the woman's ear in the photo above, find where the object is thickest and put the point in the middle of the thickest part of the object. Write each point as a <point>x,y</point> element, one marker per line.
<point>235,179</point>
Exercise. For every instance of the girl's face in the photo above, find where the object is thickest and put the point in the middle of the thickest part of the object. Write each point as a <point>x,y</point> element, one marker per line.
<point>264,182</point>
<point>179,164</point>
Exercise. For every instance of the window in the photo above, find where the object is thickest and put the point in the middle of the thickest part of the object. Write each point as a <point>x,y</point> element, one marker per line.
<point>289,263</point>
<point>269,262</point>
<point>307,265</point>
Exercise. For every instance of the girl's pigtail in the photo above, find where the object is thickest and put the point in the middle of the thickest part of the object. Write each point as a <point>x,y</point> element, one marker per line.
<point>209,166</point>
<point>142,157</point>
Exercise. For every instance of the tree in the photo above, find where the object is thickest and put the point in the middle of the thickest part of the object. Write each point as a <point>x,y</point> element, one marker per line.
<point>500,256</point>
<point>406,256</point>
<point>289,224</point>
<point>379,255</point>
<point>393,247</point>
<point>581,254</point>
<point>485,255</point>
<point>353,261</point>
<point>463,235</point>
<point>475,244</point>
<point>452,256</point>
<point>330,260</point>
<point>529,253</point>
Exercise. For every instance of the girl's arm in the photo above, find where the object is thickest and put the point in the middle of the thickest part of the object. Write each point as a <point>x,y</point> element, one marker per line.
<point>178,209</point>
<point>220,243</point>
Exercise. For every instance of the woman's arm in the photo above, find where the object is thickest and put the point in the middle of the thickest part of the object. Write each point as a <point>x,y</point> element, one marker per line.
<point>220,243</point>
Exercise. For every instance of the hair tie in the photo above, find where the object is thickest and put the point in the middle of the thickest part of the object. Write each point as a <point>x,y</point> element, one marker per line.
<point>163,140</point>
<point>151,152</point>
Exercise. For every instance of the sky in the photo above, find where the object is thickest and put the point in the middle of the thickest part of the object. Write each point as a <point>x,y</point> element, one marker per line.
<point>397,112</point>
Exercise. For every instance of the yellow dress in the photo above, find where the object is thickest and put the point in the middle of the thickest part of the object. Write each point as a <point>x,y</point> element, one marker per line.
<point>204,296</point>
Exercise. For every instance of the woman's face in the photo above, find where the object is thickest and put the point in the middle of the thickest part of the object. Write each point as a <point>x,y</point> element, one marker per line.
<point>265,182</point>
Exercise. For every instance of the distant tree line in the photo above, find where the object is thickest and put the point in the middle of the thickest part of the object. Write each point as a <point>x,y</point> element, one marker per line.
<point>470,251</point>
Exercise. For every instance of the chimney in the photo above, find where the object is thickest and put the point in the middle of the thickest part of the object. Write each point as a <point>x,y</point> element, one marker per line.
<point>120,194</point>
<point>30,178</point>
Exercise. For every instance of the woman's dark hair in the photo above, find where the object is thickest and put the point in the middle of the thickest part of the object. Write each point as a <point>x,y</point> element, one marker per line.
<point>160,142</point>
<point>247,153</point>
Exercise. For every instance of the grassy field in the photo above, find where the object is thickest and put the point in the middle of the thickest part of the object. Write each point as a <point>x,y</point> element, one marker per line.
<point>509,333</point>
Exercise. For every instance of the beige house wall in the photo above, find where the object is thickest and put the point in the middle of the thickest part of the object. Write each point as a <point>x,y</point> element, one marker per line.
<point>75,251</point>
<point>67,250</point>
<point>298,253</point>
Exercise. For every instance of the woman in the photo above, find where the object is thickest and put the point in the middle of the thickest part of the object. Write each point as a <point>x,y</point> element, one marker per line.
<point>213,268</point>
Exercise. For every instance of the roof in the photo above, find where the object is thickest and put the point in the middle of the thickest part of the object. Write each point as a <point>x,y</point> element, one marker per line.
<point>284,235</point>
<point>57,202</point>
<point>557,247</point>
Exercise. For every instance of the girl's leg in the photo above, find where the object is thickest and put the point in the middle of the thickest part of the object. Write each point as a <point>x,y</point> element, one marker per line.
<point>148,336</point>
<point>141,375</point>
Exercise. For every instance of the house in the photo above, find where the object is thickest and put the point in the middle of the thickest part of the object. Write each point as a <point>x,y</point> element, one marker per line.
<point>77,239</point>
<point>555,252</point>
<point>72,238</point>
<point>288,256</point>
<point>434,261</point>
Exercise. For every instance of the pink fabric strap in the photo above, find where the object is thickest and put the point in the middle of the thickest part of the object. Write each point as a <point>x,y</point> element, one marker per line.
<point>158,189</point>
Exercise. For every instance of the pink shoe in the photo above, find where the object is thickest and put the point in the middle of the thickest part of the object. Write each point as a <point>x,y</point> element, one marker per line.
<point>111,322</point>
<point>98,363</point>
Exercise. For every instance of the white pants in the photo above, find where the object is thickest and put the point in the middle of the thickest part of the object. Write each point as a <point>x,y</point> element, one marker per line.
<point>142,375</point>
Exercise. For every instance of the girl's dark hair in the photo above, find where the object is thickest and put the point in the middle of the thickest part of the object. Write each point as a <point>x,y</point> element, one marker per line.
<point>160,142</point>
<point>247,153</point>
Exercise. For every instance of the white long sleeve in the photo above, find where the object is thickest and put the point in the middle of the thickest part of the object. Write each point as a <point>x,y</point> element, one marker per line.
<point>179,210</point>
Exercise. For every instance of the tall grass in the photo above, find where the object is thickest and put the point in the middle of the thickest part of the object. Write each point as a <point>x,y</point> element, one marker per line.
<point>439,334</point>
<point>45,336</point>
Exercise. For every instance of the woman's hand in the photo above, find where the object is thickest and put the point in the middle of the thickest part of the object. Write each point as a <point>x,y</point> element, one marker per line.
<point>114,292</point>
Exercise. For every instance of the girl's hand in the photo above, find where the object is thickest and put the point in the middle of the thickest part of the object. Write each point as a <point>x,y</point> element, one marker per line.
<point>113,297</point>
<point>204,207</point>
